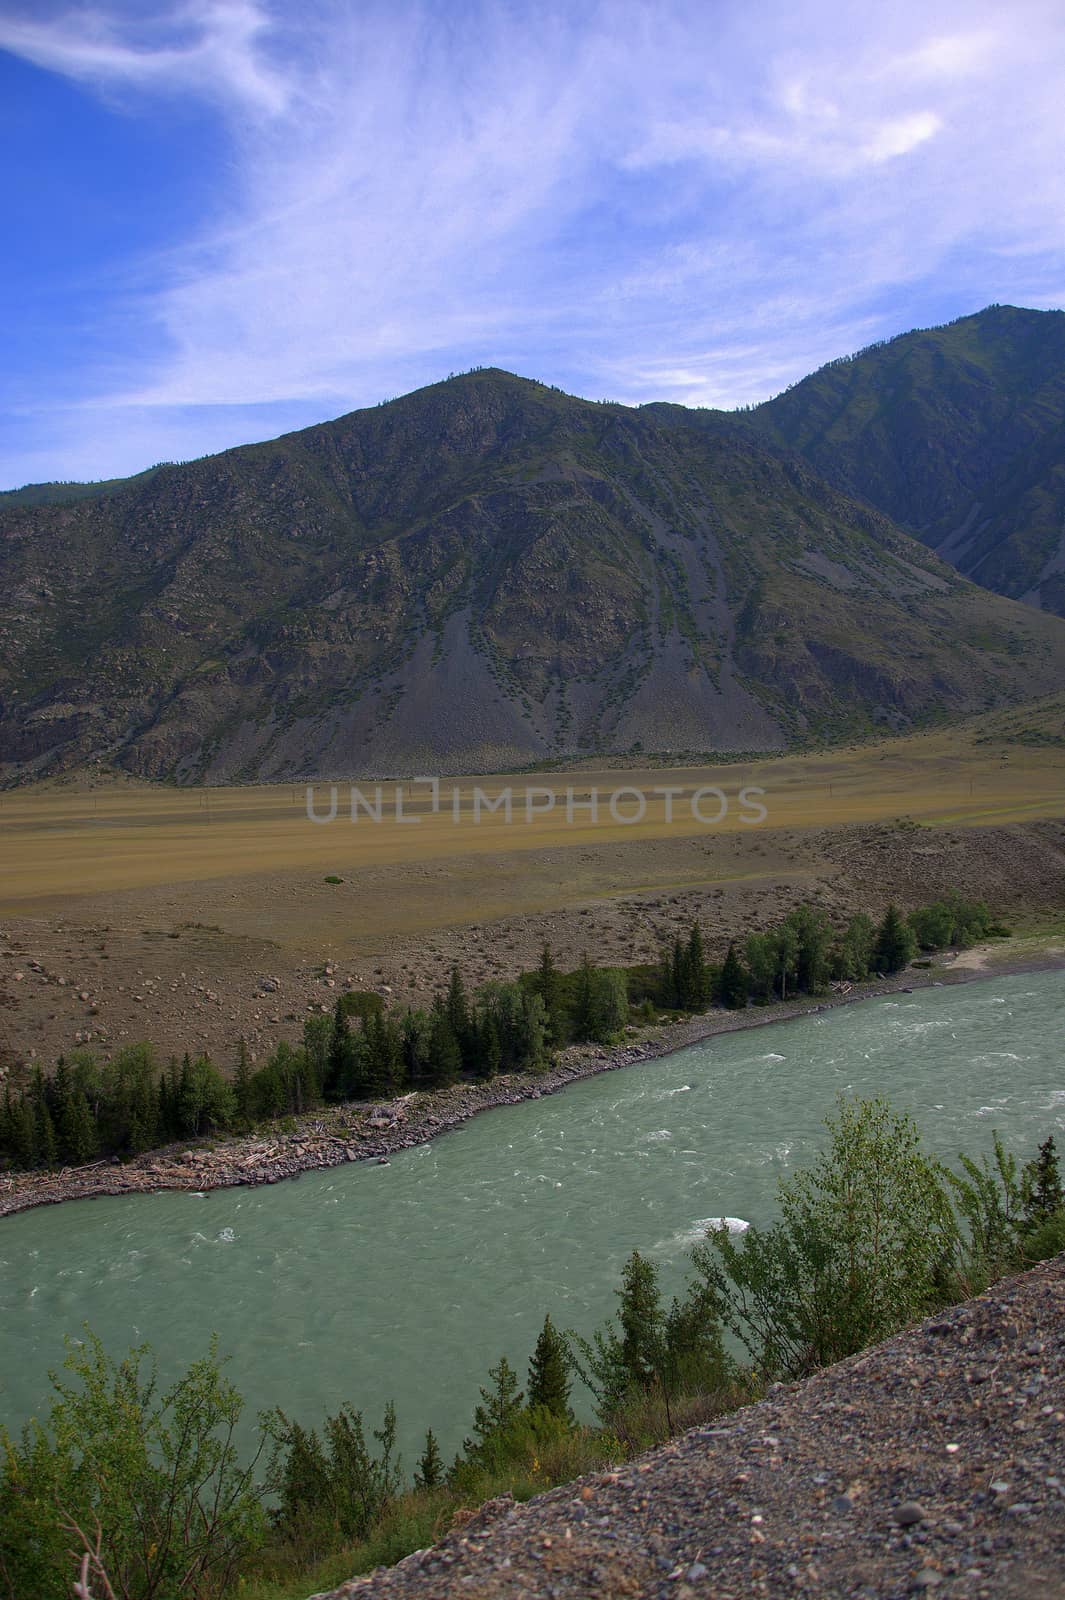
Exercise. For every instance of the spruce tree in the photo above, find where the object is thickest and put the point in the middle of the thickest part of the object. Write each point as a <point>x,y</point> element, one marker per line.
<point>640,1315</point>
<point>696,972</point>
<point>242,1084</point>
<point>489,1049</point>
<point>79,1130</point>
<point>458,1015</point>
<point>679,973</point>
<point>734,981</point>
<point>584,1018</point>
<point>549,988</point>
<point>340,1055</point>
<point>429,1473</point>
<point>383,1057</point>
<point>7,1124</point>
<point>1041,1187</point>
<point>549,1380</point>
<point>59,1091</point>
<point>895,943</point>
<point>500,1405</point>
<point>445,1058</point>
<point>25,1133</point>
<point>416,1047</point>
<point>47,1147</point>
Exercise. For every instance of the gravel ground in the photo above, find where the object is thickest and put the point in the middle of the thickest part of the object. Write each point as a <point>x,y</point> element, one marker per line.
<point>933,1463</point>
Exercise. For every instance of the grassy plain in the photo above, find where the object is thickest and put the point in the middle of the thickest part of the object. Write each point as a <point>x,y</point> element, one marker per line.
<point>76,839</point>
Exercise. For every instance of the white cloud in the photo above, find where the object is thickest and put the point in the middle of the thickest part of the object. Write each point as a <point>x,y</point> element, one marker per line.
<point>652,198</point>
<point>196,47</point>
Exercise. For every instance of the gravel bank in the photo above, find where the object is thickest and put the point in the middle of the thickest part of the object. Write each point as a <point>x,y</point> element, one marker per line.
<point>931,1464</point>
<point>375,1131</point>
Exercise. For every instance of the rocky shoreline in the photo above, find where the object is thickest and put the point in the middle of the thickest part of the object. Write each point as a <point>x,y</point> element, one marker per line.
<point>376,1131</point>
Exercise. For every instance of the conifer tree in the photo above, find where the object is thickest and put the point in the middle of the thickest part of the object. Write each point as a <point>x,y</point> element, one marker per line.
<point>640,1316</point>
<point>47,1147</point>
<point>584,1001</point>
<point>489,1049</point>
<point>895,943</point>
<point>678,973</point>
<point>416,1046</point>
<point>59,1091</point>
<point>25,1134</point>
<point>458,1015</point>
<point>79,1130</point>
<point>383,1057</point>
<point>340,1055</point>
<point>734,981</point>
<point>445,1058</point>
<point>429,1473</point>
<point>242,1084</point>
<point>501,1404</point>
<point>1041,1187</point>
<point>696,973</point>
<point>549,1380</point>
<point>7,1123</point>
<point>549,988</point>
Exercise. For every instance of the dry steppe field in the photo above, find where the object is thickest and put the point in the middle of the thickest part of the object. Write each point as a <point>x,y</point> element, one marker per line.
<point>192,917</point>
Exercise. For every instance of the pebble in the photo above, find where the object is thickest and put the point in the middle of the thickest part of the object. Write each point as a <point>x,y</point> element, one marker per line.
<point>910,1513</point>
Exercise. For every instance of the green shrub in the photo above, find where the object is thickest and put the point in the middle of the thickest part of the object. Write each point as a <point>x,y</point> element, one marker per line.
<point>147,1483</point>
<point>858,1251</point>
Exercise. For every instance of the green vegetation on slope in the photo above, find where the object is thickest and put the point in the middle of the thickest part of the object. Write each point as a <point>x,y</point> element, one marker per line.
<point>958,434</point>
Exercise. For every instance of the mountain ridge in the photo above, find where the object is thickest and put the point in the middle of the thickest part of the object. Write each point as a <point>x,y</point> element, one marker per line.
<point>485,573</point>
<point>958,434</point>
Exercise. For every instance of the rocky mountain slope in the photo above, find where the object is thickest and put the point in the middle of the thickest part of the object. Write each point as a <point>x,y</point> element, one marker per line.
<point>929,1464</point>
<point>958,434</point>
<point>485,573</point>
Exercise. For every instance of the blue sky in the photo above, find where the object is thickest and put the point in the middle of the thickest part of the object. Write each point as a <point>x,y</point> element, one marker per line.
<point>228,218</point>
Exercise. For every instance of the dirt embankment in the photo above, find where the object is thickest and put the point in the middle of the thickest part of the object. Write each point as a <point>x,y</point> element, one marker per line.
<point>197,966</point>
<point>375,1131</point>
<point>931,1464</point>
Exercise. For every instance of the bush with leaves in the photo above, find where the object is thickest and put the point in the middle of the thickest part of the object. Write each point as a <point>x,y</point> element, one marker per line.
<point>864,1238</point>
<point>336,1485</point>
<point>1009,1216</point>
<point>153,1476</point>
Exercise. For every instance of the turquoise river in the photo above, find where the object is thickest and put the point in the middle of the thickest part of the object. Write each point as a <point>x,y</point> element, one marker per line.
<point>408,1280</point>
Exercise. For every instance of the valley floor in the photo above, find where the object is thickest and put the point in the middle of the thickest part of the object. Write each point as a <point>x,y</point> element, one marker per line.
<point>194,918</point>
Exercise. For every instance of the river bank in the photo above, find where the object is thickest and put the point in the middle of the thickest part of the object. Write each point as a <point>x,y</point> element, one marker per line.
<point>930,1461</point>
<point>376,1131</point>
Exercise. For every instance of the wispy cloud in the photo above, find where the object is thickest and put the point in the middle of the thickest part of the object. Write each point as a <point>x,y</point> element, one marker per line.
<point>197,47</point>
<point>660,199</point>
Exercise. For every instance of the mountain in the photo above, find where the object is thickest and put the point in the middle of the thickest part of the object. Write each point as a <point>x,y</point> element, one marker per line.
<point>485,573</point>
<point>55,494</point>
<point>957,434</point>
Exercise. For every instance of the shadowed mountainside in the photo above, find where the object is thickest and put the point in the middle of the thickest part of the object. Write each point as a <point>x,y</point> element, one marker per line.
<point>482,574</point>
<point>958,434</point>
